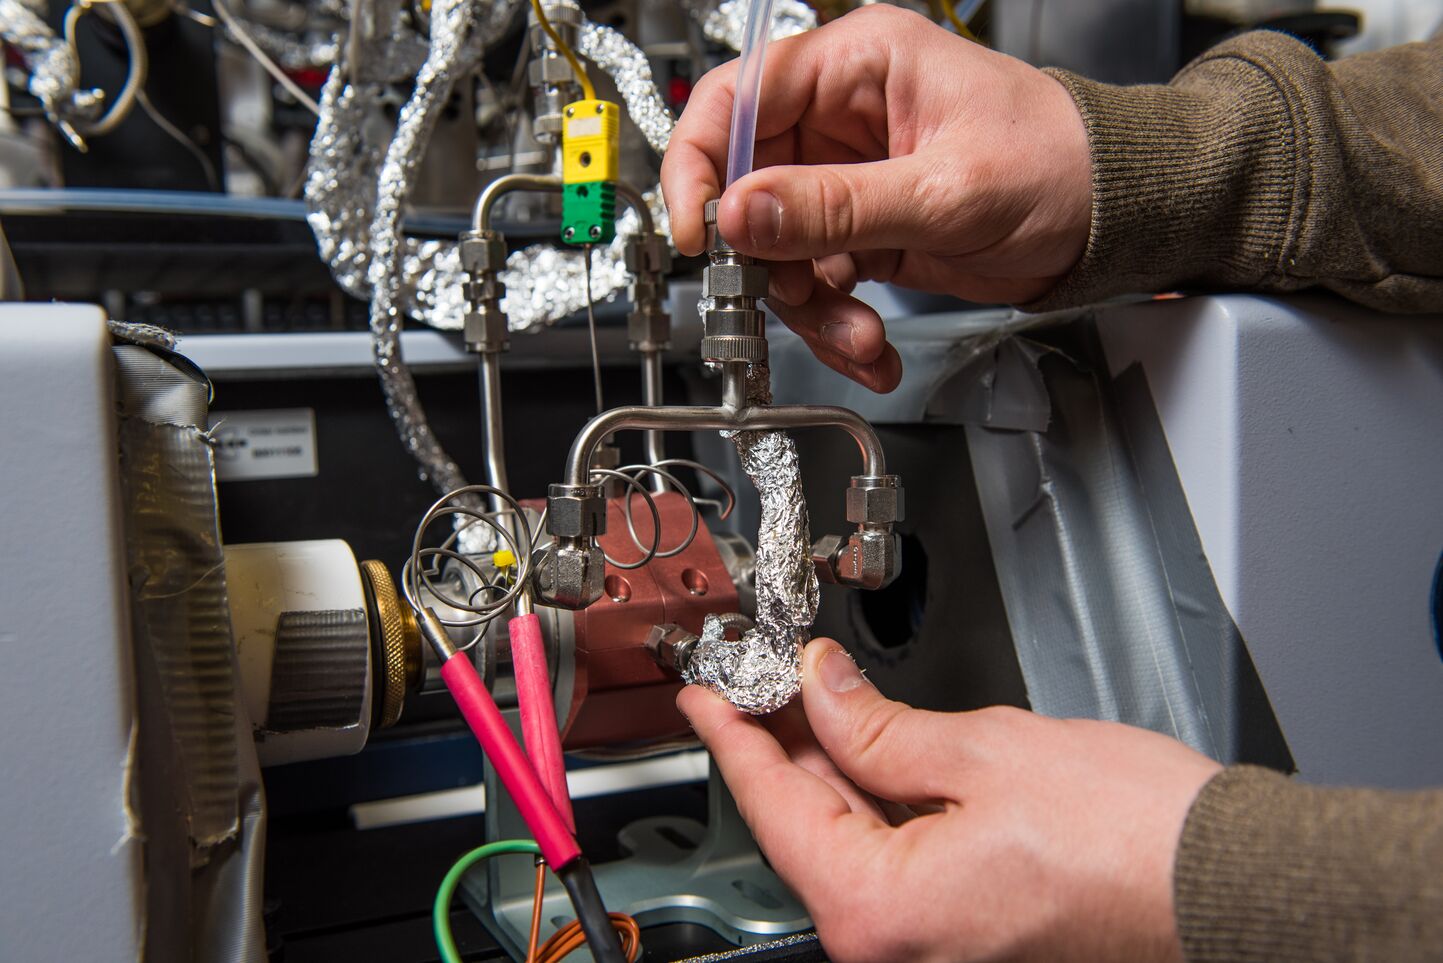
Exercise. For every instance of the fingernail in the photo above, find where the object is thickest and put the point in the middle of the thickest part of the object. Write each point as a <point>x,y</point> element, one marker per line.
<point>838,334</point>
<point>839,673</point>
<point>764,220</point>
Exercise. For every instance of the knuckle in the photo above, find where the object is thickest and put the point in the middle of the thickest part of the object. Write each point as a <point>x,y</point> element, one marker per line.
<point>874,15</point>
<point>878,734</point>
<point>835,205</point>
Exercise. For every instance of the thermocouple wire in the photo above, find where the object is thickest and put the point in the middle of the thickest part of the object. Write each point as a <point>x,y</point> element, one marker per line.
<point>591,326</point>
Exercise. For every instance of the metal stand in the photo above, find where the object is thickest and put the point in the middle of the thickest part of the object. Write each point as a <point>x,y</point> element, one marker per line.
<point>676,871</point>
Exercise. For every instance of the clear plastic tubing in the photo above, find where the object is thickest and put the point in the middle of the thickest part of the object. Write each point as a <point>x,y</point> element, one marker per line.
<point>749,91</point>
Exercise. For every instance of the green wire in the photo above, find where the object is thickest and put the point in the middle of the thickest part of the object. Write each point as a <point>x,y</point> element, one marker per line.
<point>441,912</point>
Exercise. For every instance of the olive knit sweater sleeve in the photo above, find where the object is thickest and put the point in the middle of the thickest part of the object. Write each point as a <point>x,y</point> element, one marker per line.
<point>1269,869</point>
<point>1262,166</point>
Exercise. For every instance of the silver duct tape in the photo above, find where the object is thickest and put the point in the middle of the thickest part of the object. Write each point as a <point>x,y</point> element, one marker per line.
<point>725,22</point>
<point>54,71</point>
<point>762,672</point>
<point>451,57</point>
<point>628,68</point>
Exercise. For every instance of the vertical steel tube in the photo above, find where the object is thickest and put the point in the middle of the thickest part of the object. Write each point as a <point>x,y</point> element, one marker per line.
<point>651,394</point>
<point>734,386</point>
<point>493,436</point>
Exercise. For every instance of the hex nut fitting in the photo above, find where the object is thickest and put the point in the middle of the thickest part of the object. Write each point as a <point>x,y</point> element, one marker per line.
<point>646,254</point>
<point>485,329</point>
<point>875,500</point>
<point>671,646</point>
<point>734,281</point>
<point>567,577</point>
<point>825,554</point>
<point>648,329</point>
<point>575,512</point>
<point>482,252</point>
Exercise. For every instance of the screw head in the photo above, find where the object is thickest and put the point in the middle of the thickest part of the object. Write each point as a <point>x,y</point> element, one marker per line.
<point>571,112</point>
<point>596,230</point>
<point>599,108</point>
<point>569,233</point>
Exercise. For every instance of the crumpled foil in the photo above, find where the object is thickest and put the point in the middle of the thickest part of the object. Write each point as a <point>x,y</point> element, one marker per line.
<point>543,282</point>
<point>763,672</point>
<point>725,22</point>
<point>54,71</point>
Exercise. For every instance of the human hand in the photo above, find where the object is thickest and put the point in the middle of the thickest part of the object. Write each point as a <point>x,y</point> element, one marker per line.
<point>888,149</point>
<point>1043,839</point>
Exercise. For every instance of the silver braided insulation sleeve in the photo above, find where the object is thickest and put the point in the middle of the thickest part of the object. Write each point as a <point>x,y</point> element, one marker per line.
<point>763,672</point>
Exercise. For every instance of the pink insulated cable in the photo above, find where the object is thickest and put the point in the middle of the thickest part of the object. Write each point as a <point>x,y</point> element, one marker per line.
<point>550,830</point>
<point>538,711</point>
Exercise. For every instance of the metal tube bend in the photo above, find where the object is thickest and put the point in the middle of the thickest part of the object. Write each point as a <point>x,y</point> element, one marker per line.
<point>754,418</point>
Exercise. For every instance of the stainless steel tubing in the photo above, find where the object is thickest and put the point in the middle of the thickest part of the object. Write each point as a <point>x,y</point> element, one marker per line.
<point>633,197</point>
<point>655,445</point>
<point>757,418</point>
<point>510,183</point>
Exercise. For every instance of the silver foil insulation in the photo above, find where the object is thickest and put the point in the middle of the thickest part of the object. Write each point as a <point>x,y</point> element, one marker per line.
<point>725,22</point>
<point>763,672</point>
<point>543,282</point>
<point>54,71</point>
<point>450,58</point>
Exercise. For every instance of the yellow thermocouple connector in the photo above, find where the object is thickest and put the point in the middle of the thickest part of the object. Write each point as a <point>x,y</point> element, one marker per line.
<point>590,141</point>
<point>590,160</point>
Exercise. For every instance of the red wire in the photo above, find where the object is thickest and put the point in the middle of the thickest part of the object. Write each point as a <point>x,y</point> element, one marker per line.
<point>538,711</point>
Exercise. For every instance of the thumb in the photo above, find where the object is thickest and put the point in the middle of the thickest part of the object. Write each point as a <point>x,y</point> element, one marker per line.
<point>811,211</point>
<point>888,749</point>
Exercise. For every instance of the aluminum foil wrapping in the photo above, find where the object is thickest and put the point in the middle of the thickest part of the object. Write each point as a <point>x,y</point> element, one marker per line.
<point>763,672</point>
<point>628,68</point>
<point>725,22</point>
<point>295,51</point>
<point>450,58</point>
<point>54,71</point>
<point>543,282</point>
<point>340,184</point>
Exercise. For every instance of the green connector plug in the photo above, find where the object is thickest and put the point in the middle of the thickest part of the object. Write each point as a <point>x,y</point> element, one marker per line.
<point>588,213</point>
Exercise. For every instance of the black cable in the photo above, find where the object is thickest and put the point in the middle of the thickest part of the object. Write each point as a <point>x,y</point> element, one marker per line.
<point>601,938</point>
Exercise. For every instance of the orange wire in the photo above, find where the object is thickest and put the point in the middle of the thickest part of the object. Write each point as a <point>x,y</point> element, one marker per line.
<point>536,911</point>
<point>569,939</point>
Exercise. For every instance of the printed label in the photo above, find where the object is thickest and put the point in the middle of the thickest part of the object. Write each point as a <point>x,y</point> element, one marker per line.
<point>275,443</point>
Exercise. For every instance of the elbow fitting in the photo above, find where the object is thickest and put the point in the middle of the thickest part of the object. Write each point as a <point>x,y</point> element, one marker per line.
<point>570,573</point>
<point>870,558</point>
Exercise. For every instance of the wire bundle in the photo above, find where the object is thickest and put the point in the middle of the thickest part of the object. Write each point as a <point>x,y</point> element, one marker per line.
<point>631,476</point>
<point>563,942</point>
<point>496,592</point>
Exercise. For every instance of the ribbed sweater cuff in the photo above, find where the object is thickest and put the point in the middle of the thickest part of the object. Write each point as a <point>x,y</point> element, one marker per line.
<point>1273,870</point>
<point>1193,184</point>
